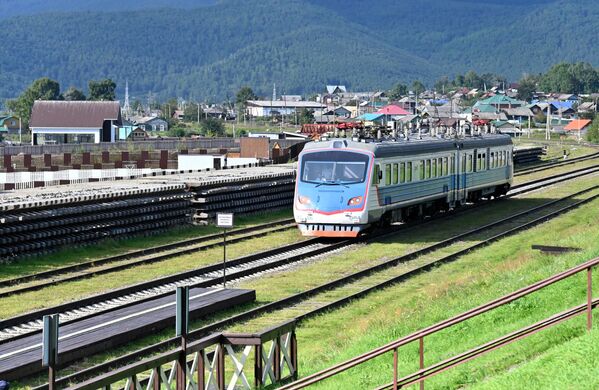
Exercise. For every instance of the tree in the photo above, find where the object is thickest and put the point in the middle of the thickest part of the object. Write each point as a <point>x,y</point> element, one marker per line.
<point>40,89</point>
<point>213,127</point>
<point>526,88</point>
<point>73,94</point>
<point>398,91</point>
<point>473,80</point>
<point>244,94</point>
<point>306,116</point>
<point>102,90</point>
<point>593,131</point>
<point>442,85</point>
<point>418,87</point>
<point>190,113</point>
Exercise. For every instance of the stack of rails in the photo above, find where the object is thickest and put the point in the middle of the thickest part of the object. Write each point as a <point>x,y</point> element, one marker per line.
<point>41,220</point>
<point>241,191</point>
<point>527,155</point>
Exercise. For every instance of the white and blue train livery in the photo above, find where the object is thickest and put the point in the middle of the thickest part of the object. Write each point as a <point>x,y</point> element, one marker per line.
<point>344,187</point>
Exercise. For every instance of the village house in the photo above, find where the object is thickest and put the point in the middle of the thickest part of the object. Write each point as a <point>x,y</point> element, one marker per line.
<point>9,124</point>
<point>150,123</point>
<point>268,108</point>
<point>74,121</point>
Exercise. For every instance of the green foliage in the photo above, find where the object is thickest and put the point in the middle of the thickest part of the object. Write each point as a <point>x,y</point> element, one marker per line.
<point>397,91</point>
<point>593,132</point>
<point>74,94</point>
<point>418,87</point>
<point>364,45</point>
<point>40,89</point>
<point>213,127</point>
<point>193,112</point>
<point>526,87</point>
<point>243,95</point>
<point>102,90</point>
<point>580,77</point>
<point>306,116</point>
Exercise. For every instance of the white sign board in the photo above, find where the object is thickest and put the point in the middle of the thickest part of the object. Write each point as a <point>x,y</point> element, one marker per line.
<point>224,220</point>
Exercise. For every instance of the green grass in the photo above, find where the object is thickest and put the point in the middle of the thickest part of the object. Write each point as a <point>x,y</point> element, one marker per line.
<point>449,290</point>
<point>571,365</point>
<point>105,248</point>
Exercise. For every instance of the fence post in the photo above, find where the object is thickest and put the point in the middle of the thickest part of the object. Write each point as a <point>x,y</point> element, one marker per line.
<point>201,370</point>
<point>182,325</point>
<point>294,354</point>
<point>589,298</point>
<point>277,358</point>
<point>258,365</point>
<point>421,352</point>
<point>220,366</point>
<point>50,348</point>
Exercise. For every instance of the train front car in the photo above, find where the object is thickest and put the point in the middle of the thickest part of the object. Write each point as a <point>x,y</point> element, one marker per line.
<point>332,189</point>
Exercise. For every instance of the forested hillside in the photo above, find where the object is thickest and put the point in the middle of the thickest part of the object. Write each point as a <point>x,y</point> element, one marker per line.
<point>208,49</point>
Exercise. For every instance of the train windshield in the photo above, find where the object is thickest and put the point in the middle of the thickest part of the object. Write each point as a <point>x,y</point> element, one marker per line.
<point>334,167</point>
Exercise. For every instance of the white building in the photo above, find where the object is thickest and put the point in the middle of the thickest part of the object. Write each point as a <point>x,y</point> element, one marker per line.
<point>60,122</point>
<point>259,108</point>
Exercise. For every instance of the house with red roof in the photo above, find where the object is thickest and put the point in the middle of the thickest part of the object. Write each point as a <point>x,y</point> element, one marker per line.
<point>393,112</point>
<point>579,126</point>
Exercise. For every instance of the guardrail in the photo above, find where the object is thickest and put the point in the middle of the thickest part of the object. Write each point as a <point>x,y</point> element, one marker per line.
<point>426,372</point>
<point>202,364</point>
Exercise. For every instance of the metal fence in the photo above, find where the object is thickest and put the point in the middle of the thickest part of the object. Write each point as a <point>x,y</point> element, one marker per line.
<point>426,372</point>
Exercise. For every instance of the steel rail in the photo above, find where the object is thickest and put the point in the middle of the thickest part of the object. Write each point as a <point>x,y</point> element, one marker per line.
<point>557,164</point>
<point>173,278</point>
<point>257,231</point>
<point>285,302</point>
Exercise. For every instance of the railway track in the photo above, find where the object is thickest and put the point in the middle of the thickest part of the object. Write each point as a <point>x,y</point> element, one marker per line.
<point>139,257</point>
<point>551,165</point>
<point>352,285</point>
<point>241,267</point>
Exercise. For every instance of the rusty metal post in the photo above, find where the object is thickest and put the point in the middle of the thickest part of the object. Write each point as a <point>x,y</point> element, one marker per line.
<point>395,369</point>
<point>589,298</point>
<point>201,370</point>
<point>51,377</point>
<point>220,367</point>
<point>421,352</point>
<point>294,354</point>
<point>258,365</point>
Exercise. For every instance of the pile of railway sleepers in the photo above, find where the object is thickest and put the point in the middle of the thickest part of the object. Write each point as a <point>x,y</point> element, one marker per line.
<point>527,155</point>
<point>38,221</point>
<point>256,193</point>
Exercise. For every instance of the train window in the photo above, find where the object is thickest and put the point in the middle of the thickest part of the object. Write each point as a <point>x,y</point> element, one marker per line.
<point>421,169</point>
<point>492,161</point>
<point>452,165</point>
<point>484,161</point>
<point>464,163</point>
<point>469,163</point>
<point>402,172</point>
<point>377,172</point>
<point>477,165</point>
<point>428,169</point>
<point>395,173</point>
<point>434,168</point>
<point>409,172</point>
<point>445,166</point>
<point>387,174</point>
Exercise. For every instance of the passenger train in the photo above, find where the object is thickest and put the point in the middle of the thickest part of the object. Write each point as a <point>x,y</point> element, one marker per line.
<point>345,186</point>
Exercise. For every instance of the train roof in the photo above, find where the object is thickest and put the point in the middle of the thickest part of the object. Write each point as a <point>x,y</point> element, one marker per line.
<point>413,145</point>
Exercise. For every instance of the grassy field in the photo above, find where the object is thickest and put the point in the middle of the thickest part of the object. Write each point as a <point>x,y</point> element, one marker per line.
<point>454,288</point>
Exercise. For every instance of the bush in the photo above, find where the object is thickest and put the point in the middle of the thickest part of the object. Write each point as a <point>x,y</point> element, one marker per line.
<point>593,132</point>
<point>213,127</point>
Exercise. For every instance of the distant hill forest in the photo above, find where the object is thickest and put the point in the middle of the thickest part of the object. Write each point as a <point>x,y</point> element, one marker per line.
<point>209,49</point>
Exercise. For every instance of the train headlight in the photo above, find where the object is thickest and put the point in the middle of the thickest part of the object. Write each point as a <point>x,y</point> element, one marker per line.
<point>304,200</point>
<point>355,201</point>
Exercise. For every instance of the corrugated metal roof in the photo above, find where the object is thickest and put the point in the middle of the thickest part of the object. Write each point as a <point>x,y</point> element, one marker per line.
<point>577,124</point>
<point>78,114</point>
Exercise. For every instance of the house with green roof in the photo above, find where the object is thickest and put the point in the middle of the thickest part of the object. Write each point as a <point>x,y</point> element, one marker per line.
<point>502,101</point>
<point>9,124</point>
